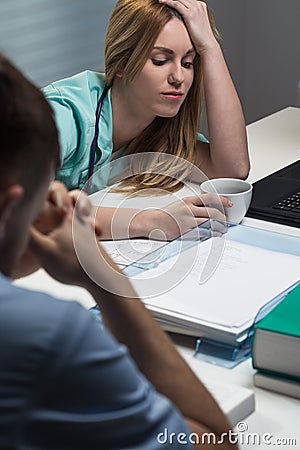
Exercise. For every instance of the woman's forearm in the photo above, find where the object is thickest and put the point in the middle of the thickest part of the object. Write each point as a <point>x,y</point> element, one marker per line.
<point>165,223</point>
<point>123,223</point>
<point>228,154</point>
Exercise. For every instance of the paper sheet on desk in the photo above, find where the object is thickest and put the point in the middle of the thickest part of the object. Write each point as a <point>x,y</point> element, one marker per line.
<point>125,252</point>
<point>245,279</point>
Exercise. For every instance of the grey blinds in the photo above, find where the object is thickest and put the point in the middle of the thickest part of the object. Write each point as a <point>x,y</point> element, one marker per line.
<point>51,39</point>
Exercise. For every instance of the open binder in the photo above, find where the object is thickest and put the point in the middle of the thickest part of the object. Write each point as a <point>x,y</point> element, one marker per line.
<point>227,355</point>
<point>217,343</point>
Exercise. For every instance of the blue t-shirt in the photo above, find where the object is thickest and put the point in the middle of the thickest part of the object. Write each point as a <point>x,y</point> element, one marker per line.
<point>65,383</point>
<point>74,101</point>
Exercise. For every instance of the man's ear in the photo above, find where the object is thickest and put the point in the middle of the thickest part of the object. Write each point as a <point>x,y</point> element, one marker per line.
<point>9,199</point>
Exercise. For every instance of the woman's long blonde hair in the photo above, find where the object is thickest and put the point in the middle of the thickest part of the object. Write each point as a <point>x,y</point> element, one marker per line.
<point>132,31</point>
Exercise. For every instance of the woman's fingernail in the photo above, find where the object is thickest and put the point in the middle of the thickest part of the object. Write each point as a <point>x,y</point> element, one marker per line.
<point>230,204</point>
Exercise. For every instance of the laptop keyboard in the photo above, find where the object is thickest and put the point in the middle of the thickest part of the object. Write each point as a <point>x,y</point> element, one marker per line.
<point>292,203</point>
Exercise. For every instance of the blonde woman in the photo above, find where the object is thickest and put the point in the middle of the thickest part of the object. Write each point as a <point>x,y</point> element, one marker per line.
<point>159,57</point>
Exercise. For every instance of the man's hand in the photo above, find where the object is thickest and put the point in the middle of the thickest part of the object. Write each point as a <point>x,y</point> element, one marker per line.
<point>58,204</point>
<point>71,254</point>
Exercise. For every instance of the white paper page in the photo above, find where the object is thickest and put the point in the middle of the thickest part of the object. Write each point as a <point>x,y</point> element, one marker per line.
<point>245,279</point>
<point>125,252</point>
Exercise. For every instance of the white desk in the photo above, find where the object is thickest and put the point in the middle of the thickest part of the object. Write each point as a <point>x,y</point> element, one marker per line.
<point>274,142</point>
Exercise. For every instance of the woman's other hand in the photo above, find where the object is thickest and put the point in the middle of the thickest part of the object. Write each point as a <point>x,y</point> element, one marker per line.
<point>196,19</point>
<point>181,216</point>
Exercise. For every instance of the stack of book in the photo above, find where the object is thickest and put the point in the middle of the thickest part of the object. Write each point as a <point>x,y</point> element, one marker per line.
<point>276,347</point>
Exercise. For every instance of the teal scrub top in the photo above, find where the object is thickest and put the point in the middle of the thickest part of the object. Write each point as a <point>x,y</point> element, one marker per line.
<point>74,101</point>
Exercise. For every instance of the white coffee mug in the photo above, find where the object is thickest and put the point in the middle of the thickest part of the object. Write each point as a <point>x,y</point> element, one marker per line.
<point>239,192</point>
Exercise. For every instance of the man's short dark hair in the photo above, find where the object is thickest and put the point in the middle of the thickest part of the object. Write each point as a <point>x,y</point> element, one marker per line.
<point>29,146</point>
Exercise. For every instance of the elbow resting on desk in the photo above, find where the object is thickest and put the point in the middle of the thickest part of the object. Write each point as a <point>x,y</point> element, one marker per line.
<point>213,164</point>
<point>239,170</point>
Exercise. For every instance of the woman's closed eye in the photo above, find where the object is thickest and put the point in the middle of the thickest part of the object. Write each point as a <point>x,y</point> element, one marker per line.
<point>159,62</point>
<point>187,64</point>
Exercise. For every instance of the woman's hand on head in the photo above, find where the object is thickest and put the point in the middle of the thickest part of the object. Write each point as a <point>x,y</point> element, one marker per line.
<point>181,216</point>
<point>196,19</point>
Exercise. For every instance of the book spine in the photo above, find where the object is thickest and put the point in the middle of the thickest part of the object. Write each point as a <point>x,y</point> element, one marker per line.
<point>277,374</point>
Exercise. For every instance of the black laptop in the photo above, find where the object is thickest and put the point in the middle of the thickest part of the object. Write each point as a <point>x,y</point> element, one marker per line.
<point>276,198</point>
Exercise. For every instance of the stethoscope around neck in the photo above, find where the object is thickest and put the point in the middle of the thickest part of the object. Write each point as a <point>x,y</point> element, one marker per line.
<point>94,146</point>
